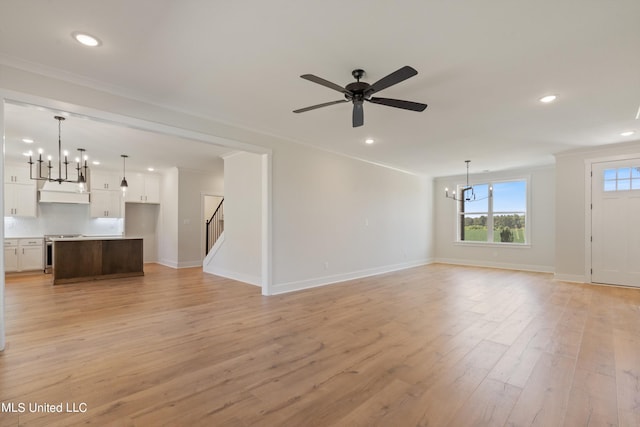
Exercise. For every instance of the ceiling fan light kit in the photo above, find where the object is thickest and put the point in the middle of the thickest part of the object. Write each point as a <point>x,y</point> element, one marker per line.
<point>358,92</point>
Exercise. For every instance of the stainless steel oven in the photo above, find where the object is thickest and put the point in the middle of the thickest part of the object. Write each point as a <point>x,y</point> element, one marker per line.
<point>48,249</point>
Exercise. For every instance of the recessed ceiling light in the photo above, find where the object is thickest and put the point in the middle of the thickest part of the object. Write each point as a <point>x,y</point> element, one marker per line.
<point>27,153</point>
<point>95,162</point>
<point>150,169</point>
<point>86,39</point>
<point>627,133</point>
<point>548,98</point>
<point>369,141</point>
<point>27,140</point>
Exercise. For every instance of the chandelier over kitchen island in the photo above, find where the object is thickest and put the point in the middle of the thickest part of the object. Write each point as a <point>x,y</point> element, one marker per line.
<point>81,169</point>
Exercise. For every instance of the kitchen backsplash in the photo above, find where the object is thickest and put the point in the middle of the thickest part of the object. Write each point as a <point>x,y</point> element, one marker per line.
<point>62,219</point>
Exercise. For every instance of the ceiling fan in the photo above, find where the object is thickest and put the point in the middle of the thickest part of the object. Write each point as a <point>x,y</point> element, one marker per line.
<point>358,92</point>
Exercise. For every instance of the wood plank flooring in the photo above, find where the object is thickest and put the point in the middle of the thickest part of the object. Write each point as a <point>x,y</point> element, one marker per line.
<point>437,345</point>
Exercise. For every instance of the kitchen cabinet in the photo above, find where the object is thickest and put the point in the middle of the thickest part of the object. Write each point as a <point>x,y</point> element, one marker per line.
<point>101,180</point>
<point>19,174</point>
<point>106,204</point>
<point>20,200</point>
<point>23,254</point>
<point>143,188</point>
<point>10,255</point>
<point>20,192</point>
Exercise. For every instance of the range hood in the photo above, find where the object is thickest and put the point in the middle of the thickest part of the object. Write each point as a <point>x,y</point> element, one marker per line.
<point>65,192</point>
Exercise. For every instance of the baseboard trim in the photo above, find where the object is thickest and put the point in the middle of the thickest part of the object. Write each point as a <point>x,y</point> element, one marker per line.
<point>234,275</point>
<point>577,278</point>
<point>337,278</point>
<point>501,265</point>
<point>166,263</point>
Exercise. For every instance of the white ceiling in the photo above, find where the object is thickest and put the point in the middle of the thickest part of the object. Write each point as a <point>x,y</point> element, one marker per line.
<point>103,142</point>
<point>482,67</point>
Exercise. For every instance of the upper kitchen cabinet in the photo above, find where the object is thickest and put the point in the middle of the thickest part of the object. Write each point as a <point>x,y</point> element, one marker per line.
<point>20,192</point>
<point>19,174</point>
<point>101,180</point>
<point>143,188</point>
<point>106,204</point>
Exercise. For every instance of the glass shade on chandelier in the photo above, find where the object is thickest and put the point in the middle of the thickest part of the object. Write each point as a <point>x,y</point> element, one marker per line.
<point>62,175</point>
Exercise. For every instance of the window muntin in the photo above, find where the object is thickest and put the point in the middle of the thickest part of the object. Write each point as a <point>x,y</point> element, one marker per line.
<point>501,218</point>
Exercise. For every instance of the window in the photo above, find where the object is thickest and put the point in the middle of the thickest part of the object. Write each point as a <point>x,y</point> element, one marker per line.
<point>622,179</point>
<point>495,212</point>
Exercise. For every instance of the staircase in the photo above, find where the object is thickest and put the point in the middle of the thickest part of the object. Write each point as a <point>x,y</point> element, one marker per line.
<point>214,226</point>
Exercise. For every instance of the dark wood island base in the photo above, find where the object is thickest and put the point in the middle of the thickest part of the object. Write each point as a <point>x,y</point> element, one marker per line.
<point>84,259</point>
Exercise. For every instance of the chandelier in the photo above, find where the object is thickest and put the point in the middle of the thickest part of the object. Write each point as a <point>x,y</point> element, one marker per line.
<point>81,170</point>
<point>467,193</point>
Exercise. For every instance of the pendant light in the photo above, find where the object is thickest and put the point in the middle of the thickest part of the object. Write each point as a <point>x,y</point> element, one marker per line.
<point>123,183</point>
<point>81,170</point>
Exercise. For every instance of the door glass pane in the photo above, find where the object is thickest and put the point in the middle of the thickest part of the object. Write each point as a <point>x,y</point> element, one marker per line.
<point>624,184</point>
<point>610,185</point>
<point>635,172</point>
<point>635,184</point>
<point>609,174</point>
<point>624,173</point>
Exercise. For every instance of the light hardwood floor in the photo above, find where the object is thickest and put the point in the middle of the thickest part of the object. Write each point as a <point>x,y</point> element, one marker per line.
<point>431,346</point>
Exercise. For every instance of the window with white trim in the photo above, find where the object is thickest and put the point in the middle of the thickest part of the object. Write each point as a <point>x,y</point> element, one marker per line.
<point>496,213</point>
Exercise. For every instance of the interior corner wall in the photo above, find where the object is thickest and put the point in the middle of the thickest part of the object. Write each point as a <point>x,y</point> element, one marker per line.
<point>167,235</point>
<point>571,205</point>
<point>239,257</point>
<point>192,185</point>
<point>337,218</point>
<point>538,256</point>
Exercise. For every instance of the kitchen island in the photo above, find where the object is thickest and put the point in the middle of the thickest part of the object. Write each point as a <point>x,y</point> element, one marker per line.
<point>80,259</point>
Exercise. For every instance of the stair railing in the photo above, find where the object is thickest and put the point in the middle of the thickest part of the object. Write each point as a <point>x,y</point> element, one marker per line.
<point>214,226</point>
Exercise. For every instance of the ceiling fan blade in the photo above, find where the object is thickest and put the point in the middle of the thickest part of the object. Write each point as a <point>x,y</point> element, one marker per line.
<point>394,78</point>
<point>398,103</point>
<point>325,83</point>
<point>326,104</point>
<point>358,114</point>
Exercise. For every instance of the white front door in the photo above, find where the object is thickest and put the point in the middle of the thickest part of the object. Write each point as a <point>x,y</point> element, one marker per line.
<point>615,247</point>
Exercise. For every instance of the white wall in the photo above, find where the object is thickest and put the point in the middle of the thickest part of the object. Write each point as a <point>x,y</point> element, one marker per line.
<point>538,256</point>
<point>141,220</point>
<point>571,207</point>
<point>167,234</point>
<point>336,218</point>
<point>239,256</point>
<point>191,229</point>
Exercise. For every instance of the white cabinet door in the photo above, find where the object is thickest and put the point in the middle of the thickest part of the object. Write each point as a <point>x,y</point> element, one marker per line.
<point>143,188</point>
<point>19,174</point>
<point>106,204</point>
<point>135,190</point>
<point>101,180</point>
<point>11,258</point>
<point>30,258</point>
<point>20,200</point>
<point>152,188</point>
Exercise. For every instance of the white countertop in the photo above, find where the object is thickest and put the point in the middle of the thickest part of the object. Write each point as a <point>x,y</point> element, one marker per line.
<point>81,238</point>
